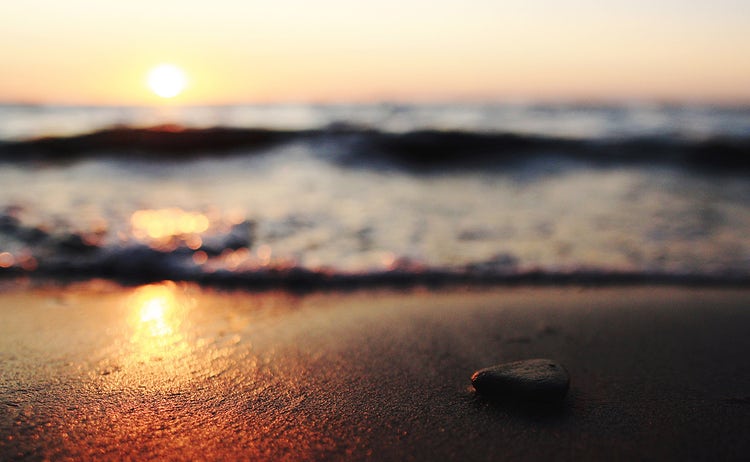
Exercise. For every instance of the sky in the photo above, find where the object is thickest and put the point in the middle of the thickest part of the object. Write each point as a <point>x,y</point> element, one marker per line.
<point>261,51</point>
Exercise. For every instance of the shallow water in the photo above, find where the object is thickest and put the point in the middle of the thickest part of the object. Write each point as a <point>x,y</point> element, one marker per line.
<point>330,204</point>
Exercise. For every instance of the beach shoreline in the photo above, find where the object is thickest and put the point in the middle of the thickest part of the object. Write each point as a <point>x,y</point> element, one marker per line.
<point>178,371</point>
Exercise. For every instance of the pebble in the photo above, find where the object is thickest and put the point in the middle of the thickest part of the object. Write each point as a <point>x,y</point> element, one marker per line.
<point>532,379</point>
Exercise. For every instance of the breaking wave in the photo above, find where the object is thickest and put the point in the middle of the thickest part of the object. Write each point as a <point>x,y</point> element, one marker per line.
<point>419,149</point>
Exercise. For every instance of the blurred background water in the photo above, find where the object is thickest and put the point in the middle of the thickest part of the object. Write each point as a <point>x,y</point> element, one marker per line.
<point>465,191</point>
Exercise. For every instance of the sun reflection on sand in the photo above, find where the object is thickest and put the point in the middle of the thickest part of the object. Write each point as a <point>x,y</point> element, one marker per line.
<point>176,371</point>
<point>157,315</point>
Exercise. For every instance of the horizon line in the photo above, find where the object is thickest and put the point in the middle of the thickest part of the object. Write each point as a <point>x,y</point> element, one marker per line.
<point>583,102</point>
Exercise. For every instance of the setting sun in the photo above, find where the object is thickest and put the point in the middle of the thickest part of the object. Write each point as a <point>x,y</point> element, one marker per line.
<point>167,80</point>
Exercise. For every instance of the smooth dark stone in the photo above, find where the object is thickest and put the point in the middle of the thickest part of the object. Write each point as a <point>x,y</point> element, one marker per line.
<point>533,379</point>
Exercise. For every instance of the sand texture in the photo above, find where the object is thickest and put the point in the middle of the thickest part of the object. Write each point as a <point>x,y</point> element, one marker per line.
<point>178,372</point>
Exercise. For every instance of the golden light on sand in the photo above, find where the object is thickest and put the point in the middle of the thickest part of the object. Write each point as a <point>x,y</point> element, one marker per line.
<point>153,309</point>
<point>157,317</point>
<point>156,309</point>
<point>167,80</point>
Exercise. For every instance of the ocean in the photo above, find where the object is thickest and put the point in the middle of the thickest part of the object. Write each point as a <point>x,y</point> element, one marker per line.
<point>332,196</point>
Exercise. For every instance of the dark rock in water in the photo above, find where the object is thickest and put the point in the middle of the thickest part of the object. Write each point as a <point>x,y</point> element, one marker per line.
<point>532,379</point>
<point>78,243</point>
<point>239,236</point>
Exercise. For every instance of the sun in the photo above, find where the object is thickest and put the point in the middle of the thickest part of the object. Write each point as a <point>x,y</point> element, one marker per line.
<point>167,80</point>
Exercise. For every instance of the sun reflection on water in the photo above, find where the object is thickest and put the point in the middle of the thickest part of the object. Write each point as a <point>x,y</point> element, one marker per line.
<point>163,227</point>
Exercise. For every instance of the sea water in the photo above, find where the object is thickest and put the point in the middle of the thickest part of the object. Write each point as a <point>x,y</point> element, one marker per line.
<point>347,194</point>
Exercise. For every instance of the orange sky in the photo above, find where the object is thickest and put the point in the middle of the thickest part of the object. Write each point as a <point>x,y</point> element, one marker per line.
<point>236,51</point>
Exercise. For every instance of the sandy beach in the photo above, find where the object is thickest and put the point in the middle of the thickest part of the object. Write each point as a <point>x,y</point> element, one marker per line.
<point>173,371</point>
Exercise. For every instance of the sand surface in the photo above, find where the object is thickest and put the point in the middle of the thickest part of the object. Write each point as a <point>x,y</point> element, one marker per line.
<point>178,372</point>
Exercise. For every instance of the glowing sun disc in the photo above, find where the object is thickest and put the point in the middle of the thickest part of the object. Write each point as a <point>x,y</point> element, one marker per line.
<point>167,80</point>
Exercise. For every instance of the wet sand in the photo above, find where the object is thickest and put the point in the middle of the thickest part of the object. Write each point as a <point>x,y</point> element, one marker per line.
<point>178,372</point>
